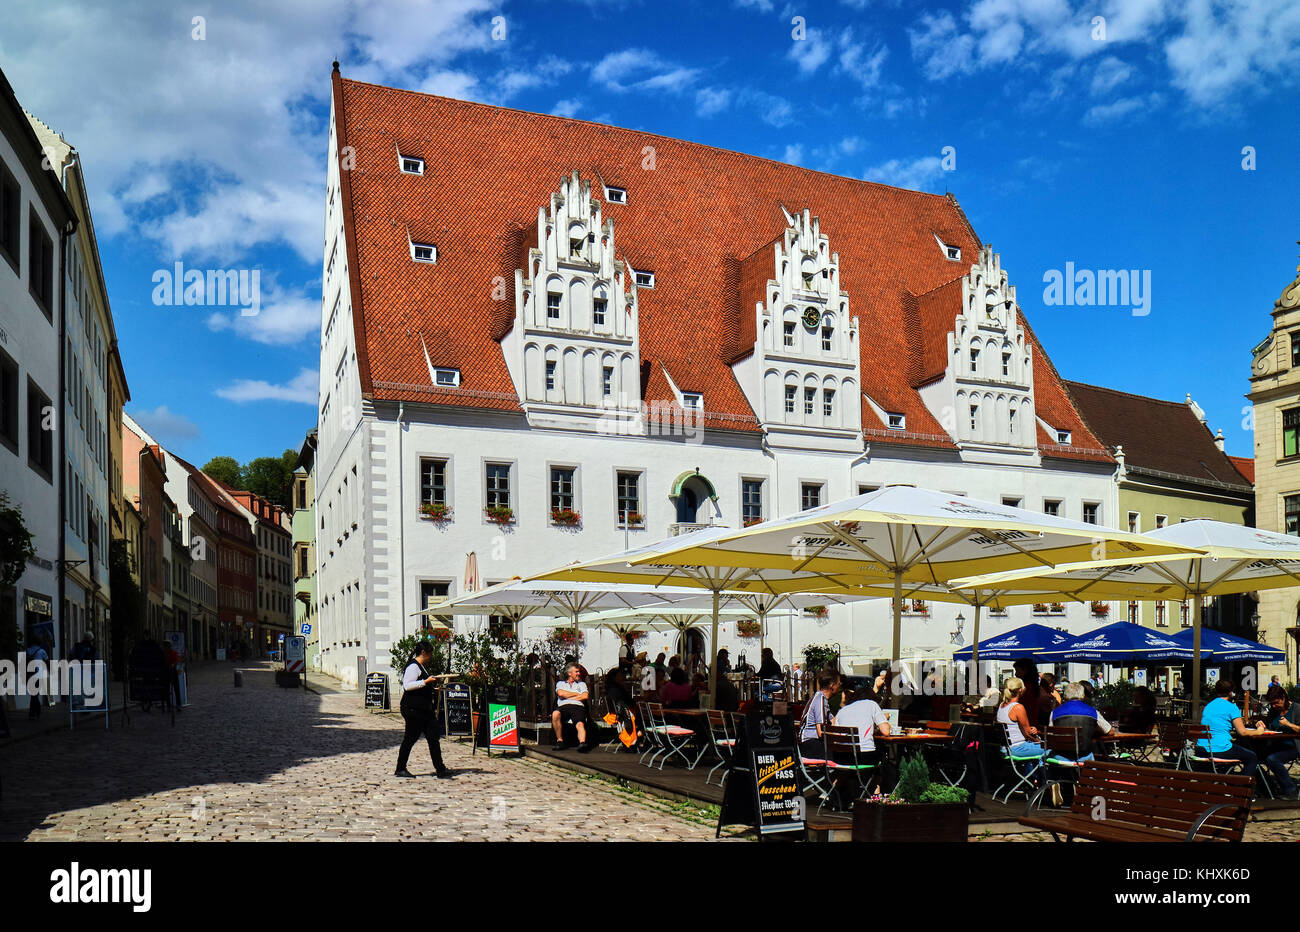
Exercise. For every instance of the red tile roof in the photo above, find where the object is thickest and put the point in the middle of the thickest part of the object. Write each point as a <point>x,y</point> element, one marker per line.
<point>1165,436</point>
<point>703,220</point>
<point>1246,466</point>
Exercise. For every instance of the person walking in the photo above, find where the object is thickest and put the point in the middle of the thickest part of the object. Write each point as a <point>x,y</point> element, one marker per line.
<point>417,711</point>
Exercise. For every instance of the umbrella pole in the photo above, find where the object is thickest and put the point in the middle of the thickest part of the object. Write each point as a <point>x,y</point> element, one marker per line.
<point>975,654</point>
<point>898,616</point>
<point>1196,658</point>
<point>713,649</point>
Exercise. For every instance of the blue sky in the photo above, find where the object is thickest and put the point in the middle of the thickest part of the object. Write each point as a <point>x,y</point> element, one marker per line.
<point>1115,145</point>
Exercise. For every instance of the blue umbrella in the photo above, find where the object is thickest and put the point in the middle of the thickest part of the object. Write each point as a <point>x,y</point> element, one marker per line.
<point>1026,641</point>
<point>1121,642</point>
<point>1227,648</point>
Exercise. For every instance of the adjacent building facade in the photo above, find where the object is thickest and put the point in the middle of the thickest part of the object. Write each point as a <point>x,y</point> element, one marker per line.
<point>304,550</point>
<point>1275,397</point>
<point>37,221</point>
<point>537,350</point>
<point>274,538</point>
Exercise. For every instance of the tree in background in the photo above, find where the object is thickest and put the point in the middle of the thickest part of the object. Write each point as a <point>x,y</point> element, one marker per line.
<point>16,549</point>
<point>225,469</point>
<point>271,477</point>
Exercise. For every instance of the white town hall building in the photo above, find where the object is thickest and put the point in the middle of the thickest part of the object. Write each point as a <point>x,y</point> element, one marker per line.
<point>545,340</point>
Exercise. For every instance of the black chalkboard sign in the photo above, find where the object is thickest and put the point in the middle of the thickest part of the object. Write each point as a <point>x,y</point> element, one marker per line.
<point>377,692</point>
<point>765,786</point>
<point>457,722</point>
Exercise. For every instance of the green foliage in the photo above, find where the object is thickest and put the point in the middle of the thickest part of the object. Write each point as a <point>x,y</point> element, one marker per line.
<point>486,659</point>
<point>913,779</point>
<point>225,469</point>
<point>914,785</point>
<point>554,648</point>
<point>401,653</point>
<point>271,477</point>
<point>16,549</point>
<point>128,605</point>
<point>817,656</point>
<point>1117,696</point>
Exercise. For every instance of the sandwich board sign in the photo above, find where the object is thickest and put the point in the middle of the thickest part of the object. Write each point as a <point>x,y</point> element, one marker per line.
<point>769,794</point>
<point>457,721</point>
<point>503,719</point>
<point>377,692</point>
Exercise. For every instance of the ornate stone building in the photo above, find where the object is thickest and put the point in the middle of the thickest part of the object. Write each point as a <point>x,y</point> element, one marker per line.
<point>1275,394</point>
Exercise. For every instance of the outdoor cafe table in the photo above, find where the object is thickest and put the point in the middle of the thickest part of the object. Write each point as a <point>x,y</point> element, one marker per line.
<point>1136,741</point>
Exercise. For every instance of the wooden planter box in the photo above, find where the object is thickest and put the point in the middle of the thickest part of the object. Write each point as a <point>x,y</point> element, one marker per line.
<point>910,822</point>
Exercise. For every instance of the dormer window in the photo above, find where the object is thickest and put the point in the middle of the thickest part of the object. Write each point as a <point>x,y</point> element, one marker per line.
<point>897,421</point>
<point>645,279</point>
<point>424,252</point>
<point>411,165</point>
<point>692,401</point>
<point>1063,437</point>
<point>615,195</point>
<point>446,378</point>
<point>953,253</point>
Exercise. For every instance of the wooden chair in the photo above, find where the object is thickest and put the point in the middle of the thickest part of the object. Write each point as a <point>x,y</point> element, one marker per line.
<point>1122,802</point>
<point>844,755</point>
<point>1066,749</point>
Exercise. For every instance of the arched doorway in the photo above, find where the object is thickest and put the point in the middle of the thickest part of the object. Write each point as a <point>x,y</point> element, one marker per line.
<point>691,648</point>
<point>693,495</point>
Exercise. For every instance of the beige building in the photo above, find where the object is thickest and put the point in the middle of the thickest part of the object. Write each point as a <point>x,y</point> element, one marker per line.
<point>1275,394</point>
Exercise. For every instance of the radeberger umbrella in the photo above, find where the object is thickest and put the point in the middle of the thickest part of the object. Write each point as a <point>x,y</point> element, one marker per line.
<point>1218,559</point>
<point>1221,647</point>
<point>893,536</point>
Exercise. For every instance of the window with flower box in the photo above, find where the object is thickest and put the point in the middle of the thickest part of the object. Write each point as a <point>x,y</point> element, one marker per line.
<point>562,496</point>
<point>628,494</point>
<point>751,501</point>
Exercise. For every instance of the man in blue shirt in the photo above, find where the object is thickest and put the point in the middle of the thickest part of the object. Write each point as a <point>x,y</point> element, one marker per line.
<point>1223,719</point>
<point>1076,713</point>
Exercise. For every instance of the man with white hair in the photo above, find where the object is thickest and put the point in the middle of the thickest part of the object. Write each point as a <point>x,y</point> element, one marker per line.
<point>571,695</point>
<point>1075,713</point>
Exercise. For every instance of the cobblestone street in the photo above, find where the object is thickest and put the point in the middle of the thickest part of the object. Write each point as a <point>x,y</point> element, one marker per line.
<point>261,763</point>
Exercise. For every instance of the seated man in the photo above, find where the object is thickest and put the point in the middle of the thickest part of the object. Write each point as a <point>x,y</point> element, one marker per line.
<point>1075,713</point>
<point>1223,719</point>
<point>570,707</point>
<point>1284,716</point>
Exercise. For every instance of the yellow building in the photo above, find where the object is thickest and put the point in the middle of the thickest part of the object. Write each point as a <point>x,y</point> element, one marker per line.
<point>1275,395</point>
<point>1170,468</point>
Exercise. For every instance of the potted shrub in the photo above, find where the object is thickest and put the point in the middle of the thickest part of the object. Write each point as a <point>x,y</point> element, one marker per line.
<point>920,607</point>
<point>817,611</point>
<point>818,656</point>
<point>1101,609</point>
<point>499,514</point>
<point>565,517</point>
<point>1058,608</point>
<point>917,810</point>
<point>749,629</point>
<point>634,519</point>
<point>1040,608</point>
<point>438,511</point>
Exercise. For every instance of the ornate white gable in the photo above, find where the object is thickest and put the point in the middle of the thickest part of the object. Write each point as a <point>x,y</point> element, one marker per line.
<point>575,311</point>
<point>807,342</point>
<point>986,400</point>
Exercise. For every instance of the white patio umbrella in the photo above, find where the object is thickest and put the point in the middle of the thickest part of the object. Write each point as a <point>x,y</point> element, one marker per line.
<point>1220,559</point>
<point>895,535</point>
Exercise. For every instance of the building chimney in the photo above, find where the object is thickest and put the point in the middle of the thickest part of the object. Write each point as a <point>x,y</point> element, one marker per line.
<point>1218,440</point>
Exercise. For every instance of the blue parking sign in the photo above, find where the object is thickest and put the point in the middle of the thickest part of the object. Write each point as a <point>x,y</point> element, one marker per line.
<point>306,629</point>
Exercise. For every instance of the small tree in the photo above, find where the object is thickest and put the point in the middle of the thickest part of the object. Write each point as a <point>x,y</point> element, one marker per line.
<point>16,548</point>
<point>403,650</point>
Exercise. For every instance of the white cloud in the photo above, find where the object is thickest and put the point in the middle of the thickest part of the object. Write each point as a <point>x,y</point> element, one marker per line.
<point>793,154</point>
<point>213,146</point>
<point>285,317</point>
<point>1225,49</point>
<point>166,426</point>
<point>568,107</point>
<point>711,100</point>
<point>1105,113</point>
<point>301,389</point>
<point>940,48</point>
<point>763,6</point>
<point>810,52</point>
<point>1110,73</point>
<point>915,175</point>
<point>641,70</point>
<point>854,58</point>
<point>772,110</point>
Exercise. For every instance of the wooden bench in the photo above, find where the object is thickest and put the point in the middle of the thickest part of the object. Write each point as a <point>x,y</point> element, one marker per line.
<point>1151,804</point>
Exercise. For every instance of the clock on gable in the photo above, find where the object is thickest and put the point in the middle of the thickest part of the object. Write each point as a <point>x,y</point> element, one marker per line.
<point>811,318</point>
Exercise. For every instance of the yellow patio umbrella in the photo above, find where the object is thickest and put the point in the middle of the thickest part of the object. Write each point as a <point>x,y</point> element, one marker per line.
<point>893,536</point>
<point>1219,559</point>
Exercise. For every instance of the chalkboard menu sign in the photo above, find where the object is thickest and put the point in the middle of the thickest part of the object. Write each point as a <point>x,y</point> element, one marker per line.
<point>503,719</point>
<point>457,722</point>
<point>377,691</point>
<point>765,787</point>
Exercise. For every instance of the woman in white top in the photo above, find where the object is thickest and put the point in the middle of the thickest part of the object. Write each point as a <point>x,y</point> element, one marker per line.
<point>1012,714</point>
<point>417,710</point>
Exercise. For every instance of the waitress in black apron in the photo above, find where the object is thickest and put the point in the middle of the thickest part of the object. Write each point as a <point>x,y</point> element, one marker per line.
<point>417,710</point>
